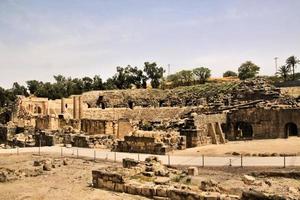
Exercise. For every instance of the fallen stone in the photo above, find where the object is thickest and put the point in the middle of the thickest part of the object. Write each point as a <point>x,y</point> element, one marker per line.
<point>193,171</point>
<point>249,180</point>
<point>47,167</point>
<point>162,180</point>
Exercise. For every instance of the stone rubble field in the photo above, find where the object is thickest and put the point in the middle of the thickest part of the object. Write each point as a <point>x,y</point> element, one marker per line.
<point>28,176</point>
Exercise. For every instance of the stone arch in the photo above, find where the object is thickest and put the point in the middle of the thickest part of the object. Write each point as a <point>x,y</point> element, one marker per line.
<point>244,129</point>
<point>290,129</point>
<point>37,110</point>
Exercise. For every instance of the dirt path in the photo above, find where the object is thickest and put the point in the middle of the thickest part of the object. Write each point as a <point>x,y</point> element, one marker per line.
<point>291,145</point>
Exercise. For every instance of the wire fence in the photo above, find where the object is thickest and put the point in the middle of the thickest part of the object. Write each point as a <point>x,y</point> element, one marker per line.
<point>169,159</point>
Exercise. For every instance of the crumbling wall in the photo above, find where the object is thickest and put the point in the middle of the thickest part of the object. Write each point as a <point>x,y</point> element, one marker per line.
<point>266,123</point>
<point>148,114</point>
<point>151,142</point>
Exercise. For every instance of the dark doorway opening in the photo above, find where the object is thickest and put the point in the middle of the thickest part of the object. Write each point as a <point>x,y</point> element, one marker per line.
<point>244,130</point>
<point>130,104</point>
<point>291,129</point>
<point>100,102</point>
<point>161,103</point>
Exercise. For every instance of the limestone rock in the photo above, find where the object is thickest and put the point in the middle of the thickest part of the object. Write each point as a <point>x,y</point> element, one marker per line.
<point>193,171</point>
<point>249,180</point>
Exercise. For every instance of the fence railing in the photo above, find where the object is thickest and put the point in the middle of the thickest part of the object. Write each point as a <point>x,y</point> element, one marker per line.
<point>200,161</point>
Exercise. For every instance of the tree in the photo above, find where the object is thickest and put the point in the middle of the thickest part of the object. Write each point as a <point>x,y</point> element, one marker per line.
<point>33,86</point>
<point>229,74</point>
<point>154,73</point>
<point>284,71</point>
<point>248,70</point>
<point>202,74</point>
<point>97,83</point>
<point>18,89</point>
<point>87,84</point>
<point>292,62</point>
<point>184,77</point>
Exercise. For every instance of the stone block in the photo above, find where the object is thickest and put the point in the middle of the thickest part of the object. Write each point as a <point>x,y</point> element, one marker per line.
<point>148,191</point>
<point>161,191</point>
<point>193,171</point>
<point>119,187</point>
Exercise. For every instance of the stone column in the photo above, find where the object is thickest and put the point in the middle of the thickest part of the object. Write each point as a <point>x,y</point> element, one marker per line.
<point>75,108</point>
<point>63,107</point>
<point>80,114</point>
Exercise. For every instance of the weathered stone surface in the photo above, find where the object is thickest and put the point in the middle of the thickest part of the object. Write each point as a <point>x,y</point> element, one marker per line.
<point>249,180</point>
<point>193,171</point>
<point>47,167</point>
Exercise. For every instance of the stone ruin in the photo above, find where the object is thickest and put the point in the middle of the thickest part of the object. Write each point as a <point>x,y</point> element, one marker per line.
<point>204,114</point>
<point>153,142</point>
<point>153,180</point>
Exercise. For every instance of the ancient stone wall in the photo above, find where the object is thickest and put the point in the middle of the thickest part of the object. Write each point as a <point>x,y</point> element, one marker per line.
<point>262,123</point>
<point>151,142</point>
<point>291,91</point>
<point>148,114</point>
<point>93,126</point>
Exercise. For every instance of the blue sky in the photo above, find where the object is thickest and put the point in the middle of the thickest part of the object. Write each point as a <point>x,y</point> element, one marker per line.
<point>40,38</point>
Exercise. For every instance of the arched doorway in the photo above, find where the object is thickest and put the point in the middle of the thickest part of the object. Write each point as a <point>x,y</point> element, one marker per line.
<point>290,129</point>
<point>244,130</point>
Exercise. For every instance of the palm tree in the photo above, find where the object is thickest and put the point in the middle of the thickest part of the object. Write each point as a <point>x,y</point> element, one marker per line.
<point>284,71</point>
<point>291,62</point>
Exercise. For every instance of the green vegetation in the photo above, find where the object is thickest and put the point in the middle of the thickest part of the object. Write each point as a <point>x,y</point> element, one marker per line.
<point>283,72</point>
<point>248,70</point>
<point>291,63</point>
<point>189,77</point>
<point>229,74</point>
<point>129,77</point>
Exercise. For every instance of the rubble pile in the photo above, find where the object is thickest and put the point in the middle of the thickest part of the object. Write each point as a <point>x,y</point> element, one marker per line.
<point>94,141</point>
<point>254,89</point>
<point>151,179</point>
<point>155,142</point>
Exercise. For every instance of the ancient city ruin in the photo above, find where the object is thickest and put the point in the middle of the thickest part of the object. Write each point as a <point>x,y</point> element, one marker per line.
<point>153,120</point>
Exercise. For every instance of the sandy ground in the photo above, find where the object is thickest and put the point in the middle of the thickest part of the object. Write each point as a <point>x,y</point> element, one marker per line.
<point>65,182</point>
<point>291,145</point>
<point>73,181</point>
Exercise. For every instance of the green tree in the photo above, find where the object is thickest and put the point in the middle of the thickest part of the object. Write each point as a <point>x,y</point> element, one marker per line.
<point>284,71</point>
<point>202,74</point>
<point>18,89</point>
<point>97,83</point>
<point>87,84</point>
<point>33,86</point>
<point>154,73</point>
<point>185,77</point>
<point>229,73</point>
<point>292,62</point>
<point>110,84</point>
<point>248,70</point>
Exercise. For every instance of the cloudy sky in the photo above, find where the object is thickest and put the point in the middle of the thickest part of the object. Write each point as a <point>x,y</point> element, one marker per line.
<point>41,38</point>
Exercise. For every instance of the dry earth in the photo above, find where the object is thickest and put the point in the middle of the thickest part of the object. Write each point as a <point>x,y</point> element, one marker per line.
<point>288,146</point>
<point>66,182</point>
<point>73,181</point>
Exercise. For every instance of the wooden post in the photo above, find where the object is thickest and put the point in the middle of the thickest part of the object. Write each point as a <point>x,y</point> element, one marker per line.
<point>77,153</point>
<point>94,155</point>
<point>61,151</point>
<point>169,162</point>
<point>202,160</point>
<point>241,160</point>
<point>115,156</point>
<point>284,162</point>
